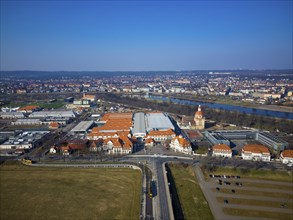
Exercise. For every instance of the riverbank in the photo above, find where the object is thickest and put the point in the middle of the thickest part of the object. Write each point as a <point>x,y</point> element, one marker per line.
<point>225,101</point>
<point>227,107</point>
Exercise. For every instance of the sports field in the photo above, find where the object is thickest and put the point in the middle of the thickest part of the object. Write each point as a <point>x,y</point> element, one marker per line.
<point>69,193</point>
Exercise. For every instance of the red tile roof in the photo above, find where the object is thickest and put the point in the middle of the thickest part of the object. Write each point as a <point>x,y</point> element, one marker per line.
<point>54,124</point>
<point>255,148</point>
<point>115,141</point>
<point>287,153</point>
<point>221,147</point>
<point>182,141</point>
<point>29,108</point>
<point>159,133</point>
<point>149,141</point>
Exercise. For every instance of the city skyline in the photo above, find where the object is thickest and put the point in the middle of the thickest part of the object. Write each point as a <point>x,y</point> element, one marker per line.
<point>145,36</point>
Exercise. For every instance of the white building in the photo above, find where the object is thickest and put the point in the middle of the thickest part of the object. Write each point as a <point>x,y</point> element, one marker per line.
<point>222,150</point>
<point>53,114</point>
<point>118,145</point>
<point>161,135</point>
<point>11,115</point>
<point>27,121</point>
<point>255,152</point>
<point>287,156</point>
<point>25,140</point>
<point>180,144</point>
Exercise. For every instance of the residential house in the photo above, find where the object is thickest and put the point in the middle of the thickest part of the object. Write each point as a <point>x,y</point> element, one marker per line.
<point>222,150</point>
<point>94,145</point>
<point>287,156</point>
<point>53,150</point>
<point>54,125</point>
<point>77,144</point>
<point>65,150</point>
<point>118,145</point>
<point>255,152</point>
<point>149,142</point>
<point>180,144</point>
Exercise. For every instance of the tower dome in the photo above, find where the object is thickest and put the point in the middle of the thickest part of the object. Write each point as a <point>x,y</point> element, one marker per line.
<point>199,113</point>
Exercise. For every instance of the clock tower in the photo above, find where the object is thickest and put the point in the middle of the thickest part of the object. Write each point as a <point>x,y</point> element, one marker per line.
<point>199,119</point>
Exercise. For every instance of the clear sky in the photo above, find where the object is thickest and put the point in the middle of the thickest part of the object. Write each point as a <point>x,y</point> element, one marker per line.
<point>145,35</point>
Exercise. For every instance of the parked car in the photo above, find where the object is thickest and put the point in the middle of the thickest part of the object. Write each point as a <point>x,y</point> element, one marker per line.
<point>225,201</point>
<point>238,184</point>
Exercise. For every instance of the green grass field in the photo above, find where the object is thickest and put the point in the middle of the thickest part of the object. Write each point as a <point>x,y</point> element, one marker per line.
<point>193,202</point>
<point>69,193</point>
<point>54,105</point>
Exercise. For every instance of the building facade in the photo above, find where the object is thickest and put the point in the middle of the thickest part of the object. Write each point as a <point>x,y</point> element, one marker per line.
<point>180,144</point>
<point>255,152</point>
<point>222,150</point>
<point>287,156</point>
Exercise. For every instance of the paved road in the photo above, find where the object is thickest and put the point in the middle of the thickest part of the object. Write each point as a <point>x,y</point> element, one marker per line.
<point>162,202</point>
<point>162,192</point>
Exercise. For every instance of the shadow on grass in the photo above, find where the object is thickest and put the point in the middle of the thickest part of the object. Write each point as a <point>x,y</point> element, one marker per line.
<point>177,209</point>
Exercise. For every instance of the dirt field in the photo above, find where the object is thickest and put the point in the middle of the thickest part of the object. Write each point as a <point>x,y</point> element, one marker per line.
<point>68,193</point>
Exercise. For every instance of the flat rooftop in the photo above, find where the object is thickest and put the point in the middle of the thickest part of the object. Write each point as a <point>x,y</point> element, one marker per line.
<point>139,123</point>
<point>158,121</point>
<point>83,126</point>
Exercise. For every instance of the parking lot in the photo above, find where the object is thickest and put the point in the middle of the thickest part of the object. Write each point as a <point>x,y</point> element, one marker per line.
<point>234,197</point>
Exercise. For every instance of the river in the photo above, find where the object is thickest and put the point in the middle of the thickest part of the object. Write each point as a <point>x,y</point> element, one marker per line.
<point>247,110</point>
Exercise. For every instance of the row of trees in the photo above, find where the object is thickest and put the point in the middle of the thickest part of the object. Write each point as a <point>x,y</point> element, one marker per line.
<point>218,115</point>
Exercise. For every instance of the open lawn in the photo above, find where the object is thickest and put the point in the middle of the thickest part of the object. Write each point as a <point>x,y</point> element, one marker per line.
<point>69,193</point>
<point>193,202</point>
<point>55,105</point>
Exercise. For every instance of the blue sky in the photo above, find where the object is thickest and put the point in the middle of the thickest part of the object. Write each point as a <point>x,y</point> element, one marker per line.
<point>145,35</point>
